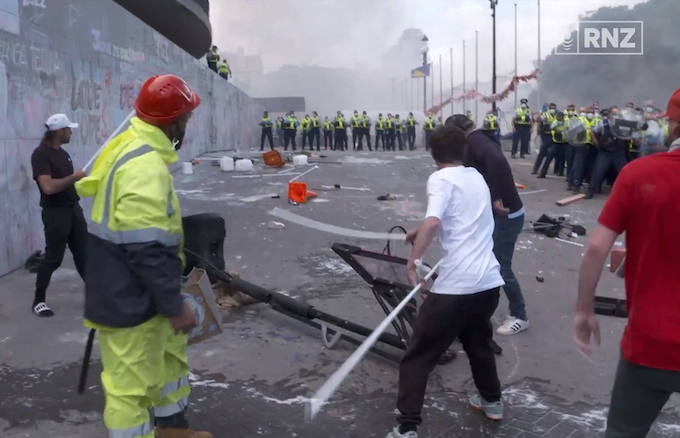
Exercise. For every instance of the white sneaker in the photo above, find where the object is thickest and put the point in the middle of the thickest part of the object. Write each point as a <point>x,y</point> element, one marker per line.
<point>512,326</point>
<point>396,434</point>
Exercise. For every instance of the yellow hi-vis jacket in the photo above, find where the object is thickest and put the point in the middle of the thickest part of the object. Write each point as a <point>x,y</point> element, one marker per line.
<point>135,209</point>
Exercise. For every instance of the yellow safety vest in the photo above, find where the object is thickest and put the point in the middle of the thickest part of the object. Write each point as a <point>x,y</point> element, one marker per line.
<point>379,124</point>
<point>523,116</point>
<point>548,119</point>
<point>266,123</point>
<point>339,122</point>
<point>291,122</point>
<point>223,67</point>
<point>327,125</point>
<point>429,124</point>
<point>315,122</point>
<point>306,123</point>
<point>491,122</point>
<point>133,190</point>
<point>411,122</point>
<point>389,123</point>
<point>213,56</point>
<point>558,133</point>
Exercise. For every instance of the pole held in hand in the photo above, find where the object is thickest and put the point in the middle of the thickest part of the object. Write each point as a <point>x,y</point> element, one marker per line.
<point>108,140</point>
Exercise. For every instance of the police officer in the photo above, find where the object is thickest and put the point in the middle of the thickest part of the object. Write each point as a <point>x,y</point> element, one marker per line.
<point>213,58</point>
<point>429,128</point>
<point>612,150</point>
<point>469,115</point>
<point>398,128</point>
<point>380,131</point>
<point>492,127</point>
<point>290,125</point>
<point>356,129</point>
<point>559,139</point>
<point>365,131</point>
<point>522,125</point>
<point>411,131</point>
<point>266,124</point>
<point>315,132</point>
<point>327,133</point>
<point>134,263</point>
<point>390,129</point>
<point>576,172</point>
<point>305,127</point>
<point>279,130</point>
<point>340,125</point>
<point>223,69</point>
<point>566,151</point>
<point>547,119</point>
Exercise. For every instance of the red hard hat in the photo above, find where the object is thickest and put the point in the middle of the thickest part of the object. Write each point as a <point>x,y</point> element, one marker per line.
<point>163,99</point>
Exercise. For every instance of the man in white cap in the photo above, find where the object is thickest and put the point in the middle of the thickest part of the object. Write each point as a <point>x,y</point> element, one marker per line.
<point>61,214</point>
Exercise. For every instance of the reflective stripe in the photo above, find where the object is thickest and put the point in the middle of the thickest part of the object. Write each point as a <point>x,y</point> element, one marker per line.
<point>174,386</point>
<point>176,408</point>
<point>124,237</point>
<point>132,432</point>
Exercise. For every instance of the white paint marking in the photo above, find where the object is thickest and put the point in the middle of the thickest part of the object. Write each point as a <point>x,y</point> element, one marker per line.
<point>532,192</point>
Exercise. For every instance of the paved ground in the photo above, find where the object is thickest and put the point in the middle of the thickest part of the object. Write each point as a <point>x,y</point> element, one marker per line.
<point>252,380</point>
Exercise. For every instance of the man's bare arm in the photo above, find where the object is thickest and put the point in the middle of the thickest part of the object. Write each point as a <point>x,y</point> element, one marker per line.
<point>424,237</point>
<point>51,186</point>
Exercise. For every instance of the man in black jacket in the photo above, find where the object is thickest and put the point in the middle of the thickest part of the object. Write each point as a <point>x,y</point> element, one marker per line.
<point>485,156</point>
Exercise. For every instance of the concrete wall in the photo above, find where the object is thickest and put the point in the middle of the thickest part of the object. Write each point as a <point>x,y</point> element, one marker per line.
<point>88,59</point>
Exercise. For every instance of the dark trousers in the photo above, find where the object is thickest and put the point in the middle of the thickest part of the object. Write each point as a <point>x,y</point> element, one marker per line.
<point>340,140</point>
<point>365,132</point>
<point>441,319</point>
<point>390,140</point>
<point>355,137</point>
<point>315,133</point>
<point>225,76</point>
<point>638,396</point>
<point>411,133</point>
<point>267,133</point>
<point>590,162</point>
<point>560,161</point>
<point>281,135</point>
<point>289,137</point>
<point>602,163</point>
<point>546,142</point>
<point>400,140</point>
<point>569,159</point>
<point>212,66</point>
<point>505,235</point>
<point>63,226</point>
<point>578,168</point>
<point>379,135</point>
<point>328,139</point>
<point>556,150</point>
<point>521,138</point>
<point>428,134</point>
<point>305,137</point>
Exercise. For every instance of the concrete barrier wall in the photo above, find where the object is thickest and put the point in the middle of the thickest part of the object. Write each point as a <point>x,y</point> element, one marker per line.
<point>88,59</point>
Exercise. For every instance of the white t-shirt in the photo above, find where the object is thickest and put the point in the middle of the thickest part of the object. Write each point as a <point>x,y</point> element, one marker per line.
<point>460,199</point>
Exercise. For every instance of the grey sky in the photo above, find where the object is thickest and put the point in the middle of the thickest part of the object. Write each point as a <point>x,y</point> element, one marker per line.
<point>343,33</point>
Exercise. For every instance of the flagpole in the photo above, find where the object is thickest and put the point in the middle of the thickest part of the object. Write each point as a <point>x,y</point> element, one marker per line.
<point>538,62</point>
<point>432,86</point>
<point>516,85</point>
<point>464,103</point>
<point>476,74</point>
<point>452,80</point>
<point>441,86</point>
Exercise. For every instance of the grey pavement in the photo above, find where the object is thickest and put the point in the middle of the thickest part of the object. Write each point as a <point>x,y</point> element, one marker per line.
<point>253,380</point>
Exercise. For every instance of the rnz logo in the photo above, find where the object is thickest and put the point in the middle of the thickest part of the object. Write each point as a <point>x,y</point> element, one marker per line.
<point>604,38</point>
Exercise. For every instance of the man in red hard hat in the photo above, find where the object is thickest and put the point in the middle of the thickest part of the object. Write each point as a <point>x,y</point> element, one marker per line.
<point>132,284</point>
<point>645,204</point>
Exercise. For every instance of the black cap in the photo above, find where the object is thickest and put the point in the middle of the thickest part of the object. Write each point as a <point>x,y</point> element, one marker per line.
<point>523,100</point>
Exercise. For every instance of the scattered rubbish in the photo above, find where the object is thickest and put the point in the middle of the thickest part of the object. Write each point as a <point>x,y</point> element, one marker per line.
<point>273,225</point>
<point>229,298</point>
<point>265,175</point>
<point>570,199</point>
<point>195,162</point>
<point>540,279</point>
<point>387,197</point>
<point>401,157</point>
<point>519,186</point>
<point>244,165</point>
<point>187,168</point>
<point>226,164</point>
<point>339,187</point>
<point>276,197</point>
<point>552,227</point>
<point>198,294</point>
<point>300,160</point>
<point>532,192</point>
<point>273,158</point>
<point>570,242</point>
<point>320,200</point>
<point>259,197</point>
<point>304,173</point>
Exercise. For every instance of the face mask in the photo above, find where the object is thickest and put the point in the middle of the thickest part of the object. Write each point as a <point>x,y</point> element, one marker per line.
<point>524,105</point>
<point>582,114</point>
<point>571,112</point>
<point>649,109</point>
<point>553,110</point>
<point>591,115</point>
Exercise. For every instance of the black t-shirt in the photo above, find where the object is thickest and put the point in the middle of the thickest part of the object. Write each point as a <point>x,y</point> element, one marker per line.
<point>57,164</point>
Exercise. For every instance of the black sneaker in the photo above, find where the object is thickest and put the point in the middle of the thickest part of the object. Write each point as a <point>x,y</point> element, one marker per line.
<point>589,195</point>
<point>522,157</point>
<point>541,177</point>
<point>577,190</point>
<point>534,172</point>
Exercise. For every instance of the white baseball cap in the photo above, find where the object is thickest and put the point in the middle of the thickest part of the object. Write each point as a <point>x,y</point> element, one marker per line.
<point>59,121</point>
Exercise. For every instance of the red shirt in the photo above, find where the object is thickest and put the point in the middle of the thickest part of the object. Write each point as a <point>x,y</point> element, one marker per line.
<point>645,203</point>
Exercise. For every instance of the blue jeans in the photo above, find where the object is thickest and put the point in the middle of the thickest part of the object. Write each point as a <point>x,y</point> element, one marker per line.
<point>505,236</point>
<point>546,142</point>
<point>602,162</point>
<point>576,171</point>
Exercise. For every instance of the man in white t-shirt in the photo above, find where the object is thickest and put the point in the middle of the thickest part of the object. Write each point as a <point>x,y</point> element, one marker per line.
<point>465,294</point>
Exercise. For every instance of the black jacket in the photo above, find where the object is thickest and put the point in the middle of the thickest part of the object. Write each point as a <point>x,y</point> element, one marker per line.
<point>141,279</point>
<point>486,156</point>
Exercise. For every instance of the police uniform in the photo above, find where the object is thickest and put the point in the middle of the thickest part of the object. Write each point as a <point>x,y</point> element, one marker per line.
<point>398,128</point>
<point>356,129</point>
<point>223,69</point>
<point>390,128</point>
<point>290,124</point>
<point>492,128</point>
<point>213,58</point>
<point>266,124</point>
<point>315,132</point>
<point>365,131</point>
<point>558,132</point>
<point>340,125</point>
<point>429,127</point>
<point>327,133</point>
<point>380,132</point>
<point>547,119</point>
<point>305,127</point>
<point>522,134</point>
<point>411,132</point>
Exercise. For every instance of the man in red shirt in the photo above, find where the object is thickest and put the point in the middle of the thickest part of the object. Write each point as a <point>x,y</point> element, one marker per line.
<point>645,203</point>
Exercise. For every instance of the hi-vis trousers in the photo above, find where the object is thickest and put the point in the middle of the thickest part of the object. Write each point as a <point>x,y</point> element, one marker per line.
<point>144,367</point>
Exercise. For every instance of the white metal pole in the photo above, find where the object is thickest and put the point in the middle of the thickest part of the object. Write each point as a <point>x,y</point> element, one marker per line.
<point>517,85</point>
<point>464,85</point>
<point>452,94</point>
<point>476,75</point>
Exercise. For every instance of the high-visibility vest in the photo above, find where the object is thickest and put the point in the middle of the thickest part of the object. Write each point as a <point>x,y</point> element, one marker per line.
<point>223,67</point>
<point>390,123</point>
<point>291,123</point>
<point>266,123</point>
<point>429,124</point>
<point>315,122</point>
<point>379,124</point>
<point>356,120</point>
<point>411,122</point>
<point>339,122</point>
<point>306,123</point>
<point>397,124</point>
<point>548,119</point>
<point>558,132</point>
<point>366,122</point>
<point>586,123</point>
<point>213,56</point>
<point>490,123</point>
<point>279,123</point>
<point>523,116</point>
<point>327,125</point>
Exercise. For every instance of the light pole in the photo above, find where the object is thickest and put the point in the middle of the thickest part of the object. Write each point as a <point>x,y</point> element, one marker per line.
<point>494,3</point>
<point>516,86</point>
<point>476,73</point>
<point>424,50</point>
<point>464,86</point>
<point>538,62</point>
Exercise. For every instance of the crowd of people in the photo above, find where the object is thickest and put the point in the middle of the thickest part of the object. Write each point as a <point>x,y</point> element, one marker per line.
<point>389,131</point>
<point>588,146</point>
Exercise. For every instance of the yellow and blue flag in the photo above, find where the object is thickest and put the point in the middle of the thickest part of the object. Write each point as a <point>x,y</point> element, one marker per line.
<point>421,72</point>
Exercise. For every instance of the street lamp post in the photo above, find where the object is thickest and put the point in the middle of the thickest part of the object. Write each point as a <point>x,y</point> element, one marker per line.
<point>493,79</point>
<point>424,51</point>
